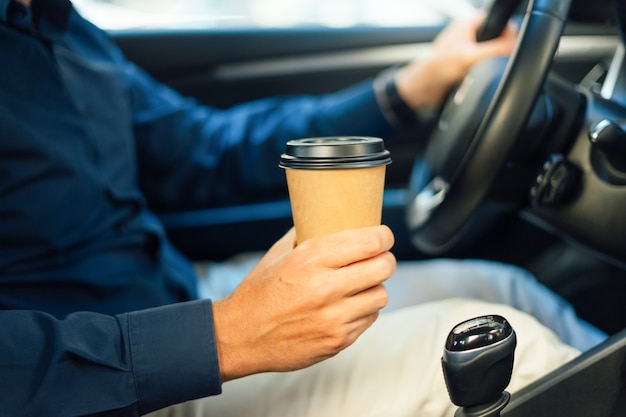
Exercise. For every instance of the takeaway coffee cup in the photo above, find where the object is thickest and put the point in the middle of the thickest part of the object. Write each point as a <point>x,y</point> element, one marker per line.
<point>335,183</point>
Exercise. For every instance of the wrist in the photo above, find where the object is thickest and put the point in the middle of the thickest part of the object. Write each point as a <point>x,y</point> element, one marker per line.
<point>393,106</point>
<point>230,351</point>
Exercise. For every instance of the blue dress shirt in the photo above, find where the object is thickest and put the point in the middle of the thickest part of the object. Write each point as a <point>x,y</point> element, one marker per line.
<point>90,147</point>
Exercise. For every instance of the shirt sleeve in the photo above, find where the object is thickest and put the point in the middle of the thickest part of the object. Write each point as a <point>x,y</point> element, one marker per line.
<point>193,156</point>
<point>89,363</point>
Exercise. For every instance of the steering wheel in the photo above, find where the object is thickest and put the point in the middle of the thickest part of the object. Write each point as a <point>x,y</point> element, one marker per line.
<point>455,178</point>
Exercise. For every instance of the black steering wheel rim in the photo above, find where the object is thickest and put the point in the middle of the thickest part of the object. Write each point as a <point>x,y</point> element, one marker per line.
<point>441,200</point>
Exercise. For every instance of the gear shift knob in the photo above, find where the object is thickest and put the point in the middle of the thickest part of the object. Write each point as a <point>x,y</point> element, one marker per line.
<point>478,360</point>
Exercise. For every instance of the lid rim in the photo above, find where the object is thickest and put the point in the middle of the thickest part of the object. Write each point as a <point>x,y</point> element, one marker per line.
<point>335,152</point>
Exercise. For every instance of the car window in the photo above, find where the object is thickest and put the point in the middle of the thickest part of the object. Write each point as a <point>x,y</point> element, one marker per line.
<point>189,14</point>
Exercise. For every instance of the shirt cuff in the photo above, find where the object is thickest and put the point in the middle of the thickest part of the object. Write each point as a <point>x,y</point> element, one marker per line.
<point>174,354</point>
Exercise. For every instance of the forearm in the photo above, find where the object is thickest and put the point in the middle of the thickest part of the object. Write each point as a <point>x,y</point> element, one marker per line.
<point>232,154</point>
<point>91,363</point>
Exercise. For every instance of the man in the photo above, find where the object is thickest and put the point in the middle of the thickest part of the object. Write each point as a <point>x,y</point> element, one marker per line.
<point>88,142</point>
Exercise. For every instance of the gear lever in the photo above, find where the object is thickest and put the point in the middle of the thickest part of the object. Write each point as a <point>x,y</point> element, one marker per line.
<point>477,365</point>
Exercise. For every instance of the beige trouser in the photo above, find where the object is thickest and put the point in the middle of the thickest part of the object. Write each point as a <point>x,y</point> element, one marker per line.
<point>392,370</point>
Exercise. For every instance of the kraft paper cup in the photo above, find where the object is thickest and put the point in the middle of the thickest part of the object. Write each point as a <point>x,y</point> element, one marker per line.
<point>335,183</point>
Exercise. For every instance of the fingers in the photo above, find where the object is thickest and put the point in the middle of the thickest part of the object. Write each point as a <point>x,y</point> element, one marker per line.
<point>366,274</point>
<point>354,261</point>
<point>319,296</point>
<point>356,329</point>
<point>500,46</point>
<point>365,303</point>
<point>349,246</point>
<point>465,30</point>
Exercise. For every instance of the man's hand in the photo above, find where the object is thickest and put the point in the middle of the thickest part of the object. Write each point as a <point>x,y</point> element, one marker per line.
<point>301,305</point>
<point>426,82</point>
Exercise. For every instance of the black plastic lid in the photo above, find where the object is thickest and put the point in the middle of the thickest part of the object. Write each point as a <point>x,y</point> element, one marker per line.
<point>335,152</point>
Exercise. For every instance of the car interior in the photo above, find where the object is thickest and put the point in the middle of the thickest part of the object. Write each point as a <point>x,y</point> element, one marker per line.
<point>528,168</point>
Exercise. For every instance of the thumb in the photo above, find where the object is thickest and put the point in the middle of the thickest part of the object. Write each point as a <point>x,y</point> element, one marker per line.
<point>284,244</point>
